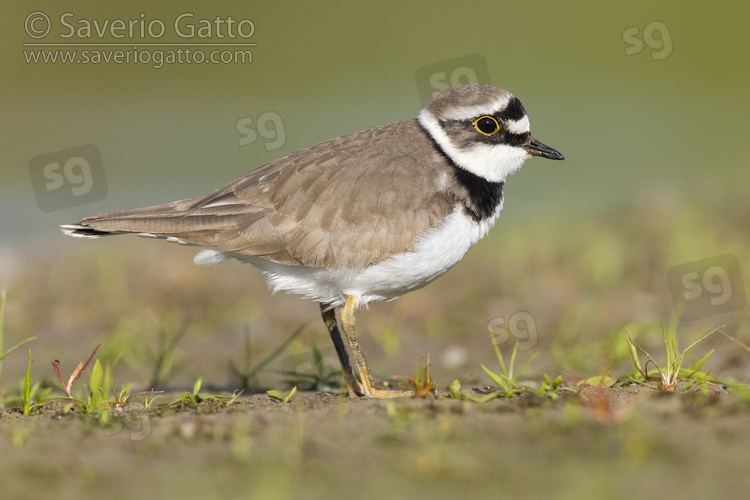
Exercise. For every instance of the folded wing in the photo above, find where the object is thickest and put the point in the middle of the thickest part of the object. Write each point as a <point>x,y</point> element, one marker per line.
<point>342,204</point>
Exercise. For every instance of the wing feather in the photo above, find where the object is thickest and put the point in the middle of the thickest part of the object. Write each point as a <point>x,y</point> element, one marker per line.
<point>342,204</point>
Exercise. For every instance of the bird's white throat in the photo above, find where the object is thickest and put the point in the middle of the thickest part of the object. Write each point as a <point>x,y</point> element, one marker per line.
<point>493,163</point>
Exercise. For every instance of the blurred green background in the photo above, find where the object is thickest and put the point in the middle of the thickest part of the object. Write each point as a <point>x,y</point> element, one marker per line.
<point>647,101</point>
<point>623,122</point>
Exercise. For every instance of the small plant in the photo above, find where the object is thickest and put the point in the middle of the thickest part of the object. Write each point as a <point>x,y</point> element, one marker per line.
<point>455,391</point>
<point>422,381</point>
<point>121,398</point>
<point>249,376</point>
<point>196,396</point>
<point>506,378</point>
<point>96,390</point>
<point>672,370</point>
<point>148,402</point>
<point>276,395</point>
<point>322,379</point>
<point>549,388</point>
<point>601,380</point>
<point>76,373</point>
<point>164,355</point>
<point>99,386</point>
<point>30,395</point>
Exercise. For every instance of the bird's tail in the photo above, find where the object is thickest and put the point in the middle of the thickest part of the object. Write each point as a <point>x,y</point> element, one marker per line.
<point>160,221</point>
<point>83,231</point>
<point>195,221</point>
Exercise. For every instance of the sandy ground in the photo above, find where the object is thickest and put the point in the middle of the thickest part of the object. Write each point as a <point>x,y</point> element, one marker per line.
<point>597,443</point>
<point>134,298</point>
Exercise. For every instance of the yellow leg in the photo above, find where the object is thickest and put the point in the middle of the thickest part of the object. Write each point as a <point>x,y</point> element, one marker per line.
<point>353,387</point>
<point>347,324</point>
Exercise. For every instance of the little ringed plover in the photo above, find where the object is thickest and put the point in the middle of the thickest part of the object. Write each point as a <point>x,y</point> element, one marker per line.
<point>361,218</point>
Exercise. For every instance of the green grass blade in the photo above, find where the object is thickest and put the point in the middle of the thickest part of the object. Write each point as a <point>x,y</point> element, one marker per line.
<point>455,389</point>
<point>12,349</point>
<point>525,365</point>
<point>645,353</point>
<point>27,388</point>
<point>599,381</point>
<point>276,395</point>
<point>273,393</point>
<point>291,394</point>
<point>318,362</point>
<point>670,344</point>
<point>512,363</point>
<point>637,368</point>
<point>276,353</point>
<point>498,354</point>
<point>497,379</point>
<point>481,399</point>
<point>703,338</point>
<point>95,385</point>
<point>702,361</point>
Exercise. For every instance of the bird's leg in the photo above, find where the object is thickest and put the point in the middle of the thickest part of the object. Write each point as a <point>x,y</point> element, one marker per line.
<point>347,323</point>
<point>353,387</point>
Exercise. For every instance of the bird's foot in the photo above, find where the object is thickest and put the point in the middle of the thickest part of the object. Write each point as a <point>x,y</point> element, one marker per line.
<point>388,394</point>
<point>357,390</point>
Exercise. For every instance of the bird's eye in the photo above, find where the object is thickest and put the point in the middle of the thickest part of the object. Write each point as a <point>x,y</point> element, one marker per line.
<point>486,125</point>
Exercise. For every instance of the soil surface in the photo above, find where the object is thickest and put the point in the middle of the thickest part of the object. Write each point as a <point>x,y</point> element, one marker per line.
<point>592,443</point>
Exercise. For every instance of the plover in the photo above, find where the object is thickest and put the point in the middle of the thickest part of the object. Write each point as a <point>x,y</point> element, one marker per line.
<point>361,218</point>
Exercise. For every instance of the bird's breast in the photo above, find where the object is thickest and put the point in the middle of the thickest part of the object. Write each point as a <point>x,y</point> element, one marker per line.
<point>433,254</point>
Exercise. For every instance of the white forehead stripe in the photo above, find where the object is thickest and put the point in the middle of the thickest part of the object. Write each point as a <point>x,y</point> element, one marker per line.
<point>521,126</point>
<point>469,112</point>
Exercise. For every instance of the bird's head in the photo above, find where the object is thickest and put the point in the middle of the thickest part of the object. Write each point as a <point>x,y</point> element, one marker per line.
<point>483,129</point>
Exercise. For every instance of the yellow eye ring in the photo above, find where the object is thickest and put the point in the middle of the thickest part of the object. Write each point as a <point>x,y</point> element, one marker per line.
<point>486,125</point>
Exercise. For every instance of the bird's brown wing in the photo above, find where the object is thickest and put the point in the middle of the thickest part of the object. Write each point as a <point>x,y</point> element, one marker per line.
<point>346,203</point>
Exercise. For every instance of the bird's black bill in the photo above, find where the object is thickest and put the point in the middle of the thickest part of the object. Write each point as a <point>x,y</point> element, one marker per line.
<point>536,148</point>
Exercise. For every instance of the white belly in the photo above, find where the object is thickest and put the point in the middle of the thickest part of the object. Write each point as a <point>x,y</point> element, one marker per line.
<point>434,254</point>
